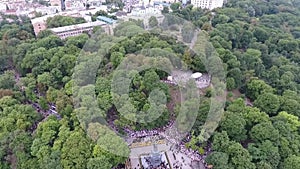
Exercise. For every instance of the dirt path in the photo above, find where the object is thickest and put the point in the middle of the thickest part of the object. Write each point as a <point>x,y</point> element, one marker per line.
<point>45,113</point>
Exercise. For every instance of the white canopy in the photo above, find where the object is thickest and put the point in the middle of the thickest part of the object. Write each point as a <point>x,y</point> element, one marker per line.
<point>196,75</point>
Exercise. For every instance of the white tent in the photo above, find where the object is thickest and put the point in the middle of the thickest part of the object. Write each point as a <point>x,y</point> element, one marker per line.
<point>170,78</point>
<point>196,75</point>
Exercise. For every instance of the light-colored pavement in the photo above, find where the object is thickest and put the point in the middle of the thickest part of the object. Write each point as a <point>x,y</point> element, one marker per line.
<point>176,158</point>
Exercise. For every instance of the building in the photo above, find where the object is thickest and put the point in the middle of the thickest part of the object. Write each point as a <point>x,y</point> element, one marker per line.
<point>142,11</point>
<point>3,7</point>
<point>48,10</point>
<point>55,2</point>
<point>10,12</point>
<point>144,2</point>
<point>121,14</point>
<point>161,5</point>
<point>74,4</point>
<point>96,3</point>
<point>74,30</point>
<point>106,20</point>
<point>207,4</point>
<point>167,1</point>
<point>11,1</point>
<point>129,4</point>
<point>39,24</point>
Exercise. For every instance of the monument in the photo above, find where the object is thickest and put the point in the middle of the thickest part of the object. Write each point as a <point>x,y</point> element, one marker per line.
<point>155,157</point>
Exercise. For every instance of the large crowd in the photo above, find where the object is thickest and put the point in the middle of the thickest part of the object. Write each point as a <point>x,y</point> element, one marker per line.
<point>173,137</point>
<point>163,164</point>
<point>147,133</point>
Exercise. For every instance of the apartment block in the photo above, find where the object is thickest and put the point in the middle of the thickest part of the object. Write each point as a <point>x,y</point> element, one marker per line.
<point>207,4</point>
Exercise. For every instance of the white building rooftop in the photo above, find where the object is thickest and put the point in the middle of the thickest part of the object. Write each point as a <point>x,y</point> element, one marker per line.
<point>78,26</point>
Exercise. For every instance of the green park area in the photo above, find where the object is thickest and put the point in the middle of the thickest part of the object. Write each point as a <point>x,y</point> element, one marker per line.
<point>73,103</point>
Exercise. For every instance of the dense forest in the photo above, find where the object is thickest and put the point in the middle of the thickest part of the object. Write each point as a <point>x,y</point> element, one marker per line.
<point>257,41</point>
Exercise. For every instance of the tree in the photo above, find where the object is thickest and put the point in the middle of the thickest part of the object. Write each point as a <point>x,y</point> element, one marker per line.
<point>59,20</point>
<point>237,75</point>
<point>7,80</point>
<point>287,45</point>
<point>256,87</point>
<point>116,58</point>
<point>153,22</point>
<point>219,160</point>
<point>45,79</point>
<point>5,92</point>
<point>237,106</point>
<point>245,39</point>
<point>264,131</point>
<point>127,29</point>
<point>45,134</point>
<point>66,64</point>
<point>175,6</point>
<point>239,157</point>
<point>34,59</point>
<point>99,163</point>
<point>44,33</point>
<point>230,83</point>
<point>291,162</point>
<point>76,157</point>
<point>101,13</point>
<point>288,119</point>
<point>251,60</point>
<point>290,105</point>
<point>261,34</point>
<point>165,9</point>
<point>43,103</point>
<point>221,142</point>
<point>52,161</point>
<point>266,152</point>
<point>206,26</point>
<point>105,100</point>
<point>49,42</point>
<point>138,22</point>
<point>151,80</point>
<point>108,143</point>
<point>234,125</point>
<point>268,102</point>
<point>254,116</point>
<point>220,19</point>
<point>78,41</point>
<point>263,165</point>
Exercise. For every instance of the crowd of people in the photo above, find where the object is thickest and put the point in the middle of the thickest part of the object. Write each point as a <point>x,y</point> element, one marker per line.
<point>177,165</point>
<point>173,137</point>
<point>181,77</point>
<point>203,81</point>
<point>45,113</point>
<point>193,154</point>
<point>144,133</point>
<point>147,133</point>
<point>162,165</point>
